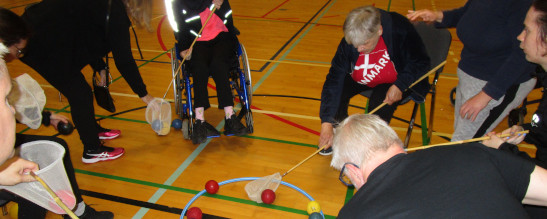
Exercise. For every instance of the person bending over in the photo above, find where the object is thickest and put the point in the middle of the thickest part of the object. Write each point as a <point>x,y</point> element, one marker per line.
<point>460,181</point>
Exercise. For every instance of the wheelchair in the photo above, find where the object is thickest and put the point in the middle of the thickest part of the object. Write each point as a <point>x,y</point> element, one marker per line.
<point>240,83</point>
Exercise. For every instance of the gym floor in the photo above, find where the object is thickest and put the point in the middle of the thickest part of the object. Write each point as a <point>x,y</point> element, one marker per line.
<point>290,44</point>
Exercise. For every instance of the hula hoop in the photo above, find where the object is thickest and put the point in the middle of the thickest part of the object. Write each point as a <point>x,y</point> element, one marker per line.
<point>244,179</point>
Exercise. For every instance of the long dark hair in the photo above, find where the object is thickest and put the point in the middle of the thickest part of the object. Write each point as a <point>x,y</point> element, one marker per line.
<point>12,28</point>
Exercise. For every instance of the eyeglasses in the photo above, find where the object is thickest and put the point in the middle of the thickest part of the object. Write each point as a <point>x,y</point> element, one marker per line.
<point>20,52</point>
<point>343,178</point>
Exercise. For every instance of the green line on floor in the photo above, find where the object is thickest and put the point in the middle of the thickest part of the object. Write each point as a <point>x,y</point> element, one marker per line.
<point>194,192</point>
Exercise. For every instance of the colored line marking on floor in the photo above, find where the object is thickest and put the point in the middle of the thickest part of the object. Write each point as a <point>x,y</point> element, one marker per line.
<point>191,191</point>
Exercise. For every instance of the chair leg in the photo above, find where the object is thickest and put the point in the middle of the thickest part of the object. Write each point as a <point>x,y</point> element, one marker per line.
<point>425,139</point>
<point>411,125</point>
<point>431,115</point>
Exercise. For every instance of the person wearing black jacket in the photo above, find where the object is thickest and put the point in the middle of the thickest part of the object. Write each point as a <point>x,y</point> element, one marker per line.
<point>12,32</point>
<point>456,181</point>
<point>70,34</point>
<point>534,43</point>
<point>212,54</point>
<point>381,51</point>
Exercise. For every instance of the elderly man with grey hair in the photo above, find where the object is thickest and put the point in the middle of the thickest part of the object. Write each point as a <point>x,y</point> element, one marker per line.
<point>461,181</point>
<point>380,52</point>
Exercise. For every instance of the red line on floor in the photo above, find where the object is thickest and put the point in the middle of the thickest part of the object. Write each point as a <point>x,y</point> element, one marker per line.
<point>158,34</point>
<point>263,16</point>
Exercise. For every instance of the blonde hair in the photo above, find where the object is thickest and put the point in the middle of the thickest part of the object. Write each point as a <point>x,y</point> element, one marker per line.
<point>358,137</point>
<point>140,12</point>
<point>360,25</point>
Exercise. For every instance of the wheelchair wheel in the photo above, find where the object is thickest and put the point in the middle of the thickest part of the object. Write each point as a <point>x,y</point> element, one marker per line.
<point>244,63</point>
<point>178,86</point>
<point>249,121</point>
<point>246,71</point>
<point>186,127</point>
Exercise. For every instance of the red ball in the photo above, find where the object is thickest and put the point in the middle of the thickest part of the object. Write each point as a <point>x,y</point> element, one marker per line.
<point>268,196</point>
<point>211,187</point>
<point>194,213</point>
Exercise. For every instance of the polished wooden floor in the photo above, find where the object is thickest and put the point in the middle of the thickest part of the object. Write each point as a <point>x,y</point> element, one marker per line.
<point>158,175</point>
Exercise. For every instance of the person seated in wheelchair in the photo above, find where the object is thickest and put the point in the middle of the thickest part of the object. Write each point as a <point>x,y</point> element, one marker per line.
<point>211,55</point>
<point>381,51</point>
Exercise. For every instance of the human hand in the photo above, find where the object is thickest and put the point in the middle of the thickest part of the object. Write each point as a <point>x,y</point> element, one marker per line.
<point>218,3</point>
<point>393,95</point>
<point>471,108</point>
<point>514,137</point>
<point>326,135</point>
<point>494,141</point>
<point>426,15</point>
<point>147,99</point>
<point>186,54</point>
<point>16,170</point>
<point>56,118</point>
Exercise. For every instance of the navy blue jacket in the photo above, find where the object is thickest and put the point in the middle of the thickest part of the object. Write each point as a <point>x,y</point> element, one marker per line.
<point>405,48</point>
<point>488,30</point>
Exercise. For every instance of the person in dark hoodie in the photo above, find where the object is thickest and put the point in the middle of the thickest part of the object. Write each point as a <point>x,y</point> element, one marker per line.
<point>212,54</point>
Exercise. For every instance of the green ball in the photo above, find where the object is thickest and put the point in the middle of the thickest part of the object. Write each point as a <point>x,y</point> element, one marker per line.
<point>316,215</point>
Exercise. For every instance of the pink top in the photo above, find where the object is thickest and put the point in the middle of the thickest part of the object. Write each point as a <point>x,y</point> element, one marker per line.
<point>213,28</point>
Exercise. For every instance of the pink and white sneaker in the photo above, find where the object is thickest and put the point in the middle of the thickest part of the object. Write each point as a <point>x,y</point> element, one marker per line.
<point>103,154</point>
<point>105,134</point>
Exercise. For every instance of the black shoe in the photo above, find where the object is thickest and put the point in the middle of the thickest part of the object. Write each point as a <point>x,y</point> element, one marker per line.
<point>233,126</point>
<point>211,131</point>
<point>90,213</point>
<point>199,133</point>
<point>326,152</point>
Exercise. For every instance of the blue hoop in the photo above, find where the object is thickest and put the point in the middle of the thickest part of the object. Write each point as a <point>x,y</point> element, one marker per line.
<point>244,179</point>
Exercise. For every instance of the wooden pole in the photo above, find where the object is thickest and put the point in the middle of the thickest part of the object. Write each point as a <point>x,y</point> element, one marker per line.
<point>301,162</point>
<point>463,141</point>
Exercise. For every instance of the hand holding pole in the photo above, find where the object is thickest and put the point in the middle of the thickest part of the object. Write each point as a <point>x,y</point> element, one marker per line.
<point>416,82</point>
<point>464,141</point>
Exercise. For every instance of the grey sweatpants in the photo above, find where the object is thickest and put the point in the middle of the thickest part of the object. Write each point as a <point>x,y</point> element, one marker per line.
<point>489,117</point>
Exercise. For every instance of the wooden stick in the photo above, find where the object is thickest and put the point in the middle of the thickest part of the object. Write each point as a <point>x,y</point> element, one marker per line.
<point>420,79</point>
<point>301,162</point>
<point>188,54</point>
<point>463,141</point>
<point>55,197</point>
